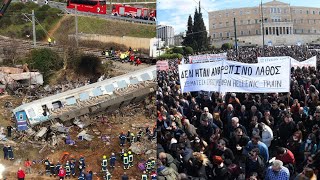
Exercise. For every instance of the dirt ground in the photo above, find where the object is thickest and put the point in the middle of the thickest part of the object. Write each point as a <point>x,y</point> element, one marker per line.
<point>93,151</point>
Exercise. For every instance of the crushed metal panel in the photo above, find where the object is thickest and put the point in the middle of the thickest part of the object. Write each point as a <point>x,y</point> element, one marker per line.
<point>41,133</point>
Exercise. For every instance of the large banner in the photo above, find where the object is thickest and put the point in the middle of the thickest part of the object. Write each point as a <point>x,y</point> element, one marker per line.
<point>230,76</point>
<point>207,58</point>
<point>311,62</point>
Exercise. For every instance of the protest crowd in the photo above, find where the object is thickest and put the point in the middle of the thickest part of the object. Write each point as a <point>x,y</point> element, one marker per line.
<point>211,135</point>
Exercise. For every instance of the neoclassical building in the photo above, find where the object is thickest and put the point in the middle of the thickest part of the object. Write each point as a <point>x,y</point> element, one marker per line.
<point>282,24</point>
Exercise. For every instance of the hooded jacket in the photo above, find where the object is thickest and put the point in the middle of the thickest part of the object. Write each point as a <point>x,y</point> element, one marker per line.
<point>167,173</point>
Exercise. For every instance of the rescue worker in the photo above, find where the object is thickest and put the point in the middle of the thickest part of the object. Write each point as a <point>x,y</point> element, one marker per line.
<point>10,153</point>
<point>153,163</point>
<point>47,166</point>
<point>104,163</point>
<point>130,157</point>
<point>148,166</point>
<point>144,176</point>
<point>124,176</point>
<point>107,176</point>
<point>82,176</point>
<point>82,164</point>
<point>52,169</point>
<point>68,169</point>
<point>125,161</point>
<point>153,175</point>
<point>128,136</point>
<point>138,62</point>
<point>49,41</point>
<point>133,138</point>
<point>122,138</point>
<point>139,135</point>
<point>113,159</point>
<point>57,168</point>
<point>5,152</point>
<point>121,154</point>
<point>62,173</point>
<point>73,168</point>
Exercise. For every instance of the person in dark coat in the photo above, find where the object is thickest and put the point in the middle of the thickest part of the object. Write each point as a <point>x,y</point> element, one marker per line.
<point>5,152</point>
<point>220,171</point>
<point>255,163</point>
<point>124,176</point>
<point>238,141</point>
<point>9,129</point>
<point>286,129</point>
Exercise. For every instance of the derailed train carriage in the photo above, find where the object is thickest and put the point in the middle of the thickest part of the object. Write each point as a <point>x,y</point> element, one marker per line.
<point>106,95</point>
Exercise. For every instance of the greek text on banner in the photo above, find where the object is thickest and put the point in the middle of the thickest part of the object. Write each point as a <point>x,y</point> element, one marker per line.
<point>231,76</point>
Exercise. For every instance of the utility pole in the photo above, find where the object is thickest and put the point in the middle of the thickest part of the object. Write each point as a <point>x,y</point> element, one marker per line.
<point>34,28</point>
<point>262,20</point>
<point>76,22</point>
<point>235,35</point>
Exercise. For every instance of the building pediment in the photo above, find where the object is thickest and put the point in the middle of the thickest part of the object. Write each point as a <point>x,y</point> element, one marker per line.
<point>275,3</point>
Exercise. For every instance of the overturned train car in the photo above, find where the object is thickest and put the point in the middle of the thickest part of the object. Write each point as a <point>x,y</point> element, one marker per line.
<point>106,95</point>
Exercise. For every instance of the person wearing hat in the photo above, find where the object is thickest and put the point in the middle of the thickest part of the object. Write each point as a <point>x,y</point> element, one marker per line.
<point>68,170</point>
<point>122,138</point>
<point>113,159</point>
<point>130,158</point>
<point>277,171</point>
<point>104,163</point>
<point>125,161</point>
<point>221,171</point>
<point>82,164</point>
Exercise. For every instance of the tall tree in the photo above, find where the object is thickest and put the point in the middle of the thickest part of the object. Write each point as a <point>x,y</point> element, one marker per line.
<point>199,31</point>
<point>188,39</point>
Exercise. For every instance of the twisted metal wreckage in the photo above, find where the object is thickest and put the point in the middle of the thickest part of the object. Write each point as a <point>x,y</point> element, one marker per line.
<point>107,95</point>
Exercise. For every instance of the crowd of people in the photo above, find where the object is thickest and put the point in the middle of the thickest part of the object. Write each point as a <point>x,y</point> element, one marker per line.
<point>210,135</point>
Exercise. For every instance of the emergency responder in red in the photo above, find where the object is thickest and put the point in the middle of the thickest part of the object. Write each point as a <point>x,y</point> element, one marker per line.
<point>138,62</point>
<point>21,174</point>
<point>62,173</point>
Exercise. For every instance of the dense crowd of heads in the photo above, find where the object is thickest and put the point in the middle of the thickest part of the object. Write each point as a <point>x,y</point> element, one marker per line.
<point>210,135</point>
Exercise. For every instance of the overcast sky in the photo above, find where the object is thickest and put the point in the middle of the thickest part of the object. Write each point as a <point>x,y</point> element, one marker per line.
<point>175,12</point>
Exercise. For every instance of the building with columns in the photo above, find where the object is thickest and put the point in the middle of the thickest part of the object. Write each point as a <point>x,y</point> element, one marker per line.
<point>282,24</point>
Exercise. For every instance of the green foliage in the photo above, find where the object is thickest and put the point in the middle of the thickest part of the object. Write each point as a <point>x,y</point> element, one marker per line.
<point>41,35</point>
<point>196,36</point>
<point>178,50</point>
<point>46,61</point>
<point>170,56</point>
<point>16,25</point>
<point>188,50</point>
<point>226,46</point>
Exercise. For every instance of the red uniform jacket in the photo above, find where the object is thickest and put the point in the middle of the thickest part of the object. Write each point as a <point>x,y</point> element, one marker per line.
<point>21,174</point>
<point>62,173</point>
